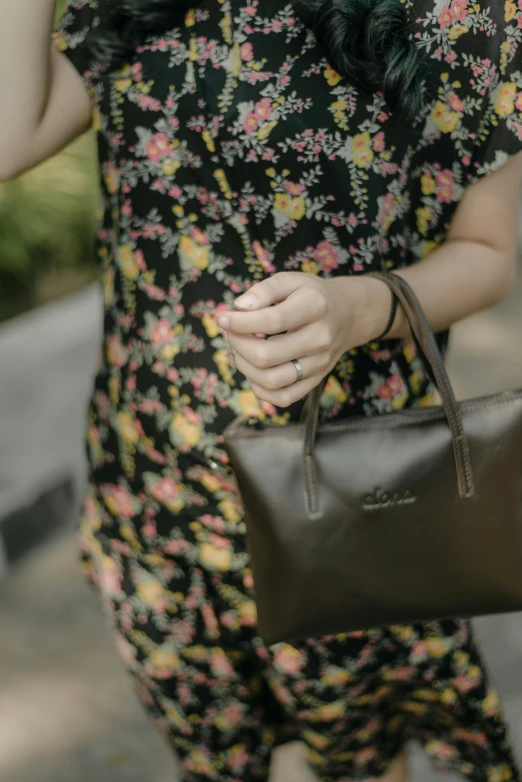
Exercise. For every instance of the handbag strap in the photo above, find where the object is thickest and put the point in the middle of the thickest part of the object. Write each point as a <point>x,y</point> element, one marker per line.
<point>426,342</point>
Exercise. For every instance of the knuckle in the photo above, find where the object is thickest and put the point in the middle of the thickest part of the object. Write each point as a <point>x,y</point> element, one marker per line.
<point>272,382</point>
<point>261,357</point>
<point>277,322</point>
<point>323,337</point>
<point>284,399</point>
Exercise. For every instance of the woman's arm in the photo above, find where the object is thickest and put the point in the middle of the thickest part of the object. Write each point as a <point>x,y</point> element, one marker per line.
<point>472,270</point>
<point>43,100</point>
<point>316,320</point>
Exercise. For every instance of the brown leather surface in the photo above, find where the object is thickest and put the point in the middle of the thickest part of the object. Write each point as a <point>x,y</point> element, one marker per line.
<point>403,517</point>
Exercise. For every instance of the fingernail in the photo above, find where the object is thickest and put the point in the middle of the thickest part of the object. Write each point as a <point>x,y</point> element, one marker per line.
<point>247,301</point>
<point>223,322</point>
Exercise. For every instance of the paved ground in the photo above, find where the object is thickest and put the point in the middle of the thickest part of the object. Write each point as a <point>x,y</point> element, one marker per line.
<point>67,712</point>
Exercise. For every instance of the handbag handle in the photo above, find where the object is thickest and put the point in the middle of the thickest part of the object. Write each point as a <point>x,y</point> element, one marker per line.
<point>425,340</point>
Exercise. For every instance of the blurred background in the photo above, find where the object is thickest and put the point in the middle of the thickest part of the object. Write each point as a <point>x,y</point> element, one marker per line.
<point>67,709</point>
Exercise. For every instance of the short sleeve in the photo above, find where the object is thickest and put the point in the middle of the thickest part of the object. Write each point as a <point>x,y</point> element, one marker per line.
<point>72,37</point>
<point>496,75</point>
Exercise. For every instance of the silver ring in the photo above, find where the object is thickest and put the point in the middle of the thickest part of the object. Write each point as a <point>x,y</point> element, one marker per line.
<point>298,369</point>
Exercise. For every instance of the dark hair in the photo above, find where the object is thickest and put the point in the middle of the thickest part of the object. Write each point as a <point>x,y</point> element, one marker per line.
<point>366,40</point>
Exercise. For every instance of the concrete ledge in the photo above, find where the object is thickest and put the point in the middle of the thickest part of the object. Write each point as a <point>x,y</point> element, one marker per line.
<point>47,362</point>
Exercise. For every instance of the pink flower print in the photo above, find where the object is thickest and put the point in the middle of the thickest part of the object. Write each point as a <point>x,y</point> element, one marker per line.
<point>263,109</point>
<point>419,652</point>
<point>384,391</point>
<point>233,714</point>
<point>115,352</point>
<point>451,57</point>
<point>109,580</point>
<point>119,501</point>
<point>199,236</point>
<point>165,490</point>
<point>161,333</point>
<point>472,736</point>
<point>158,147</point>
<point>293,188</point>
<point>464,683</point>
<point>220,664</point>
<point>445,186</point>
<point>326,256</point>
<point>175,192</point>
<point>445,18</point>
<point>250,124</point>
<point>379,142</point>
<point>459,10</point>
<point>250,10</point>
<point>395,384</point>
<point>518,101</point>
<point>455,102</point>
<point>287,659</point>
<point>246,52</point>
<point>191,415</point>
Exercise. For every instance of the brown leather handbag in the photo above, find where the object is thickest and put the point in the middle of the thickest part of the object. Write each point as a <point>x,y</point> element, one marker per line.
<point>404,517</point>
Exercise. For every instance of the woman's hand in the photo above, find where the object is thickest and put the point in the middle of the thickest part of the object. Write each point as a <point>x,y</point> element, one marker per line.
<point>304,318</point>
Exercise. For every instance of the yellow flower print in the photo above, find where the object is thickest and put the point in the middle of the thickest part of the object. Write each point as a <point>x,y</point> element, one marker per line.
<point>444,118</point>
<point>334,388</point>
<point>491,704</point>
<point>61,43</point>
<point>361,150</point>
<point>423,219</point>
<point>150,591</point>
<point>222,361</point>
<point>281,202</point>
<point>190,20</point>
<point>198,254</point>
<point>309,267</point>
<point>456,31</point>
<point>436,647</point>
<point>170,167</point>
<point>189,432</point>
<point>209,141</point>
<point>210,325</point>
<point>505,102</point>
<point>230,511</point>
<point>510,10</point>
<point>409,351</point>
<point>111,178</point>
<point>198,763</point>
<point>250,405</point>
<point>128,263</point>
<point>247,612</point>
<point>169,352</point>
<point>316,740</point>
<point>336,677</point>
<point>215,558</point>
<point>163,660</point>
<point>127,428</point>
<point>211,482</point>
<point>448,696</point>
<point>427,184</point>
<point>296,208</point>
<point>265,130</point>
<point>331,711</point>
<point>332,77</point>
<point>122,84</point>
<point>429,247</point>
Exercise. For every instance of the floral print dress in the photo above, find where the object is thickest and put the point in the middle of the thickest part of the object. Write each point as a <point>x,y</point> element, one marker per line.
<point>231,149</point>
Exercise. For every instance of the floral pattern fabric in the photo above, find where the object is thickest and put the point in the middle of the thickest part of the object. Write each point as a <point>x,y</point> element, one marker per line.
<point>231,149</point>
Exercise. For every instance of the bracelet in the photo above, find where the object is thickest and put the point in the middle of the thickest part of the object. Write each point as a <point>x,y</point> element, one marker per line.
<point>391,319</point>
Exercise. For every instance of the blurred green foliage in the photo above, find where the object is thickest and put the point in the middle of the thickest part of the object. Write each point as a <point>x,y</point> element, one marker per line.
<point>47,226</point>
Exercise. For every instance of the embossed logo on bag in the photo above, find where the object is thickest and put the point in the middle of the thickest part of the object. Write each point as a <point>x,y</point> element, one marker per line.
<point>380,499</point>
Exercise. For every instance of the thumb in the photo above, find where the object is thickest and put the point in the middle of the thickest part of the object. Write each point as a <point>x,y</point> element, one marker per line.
<point>271,291</point>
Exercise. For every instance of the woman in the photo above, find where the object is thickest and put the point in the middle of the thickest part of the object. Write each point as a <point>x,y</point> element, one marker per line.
<point>252,172</point>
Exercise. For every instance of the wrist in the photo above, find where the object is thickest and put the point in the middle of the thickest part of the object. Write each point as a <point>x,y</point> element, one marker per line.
<point>373,308</point>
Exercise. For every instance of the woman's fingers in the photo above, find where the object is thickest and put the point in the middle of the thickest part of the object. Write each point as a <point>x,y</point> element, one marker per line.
<point>281,376</point>
<point>285,397</point>
<point>306,305</point>
<point>312,340</point>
